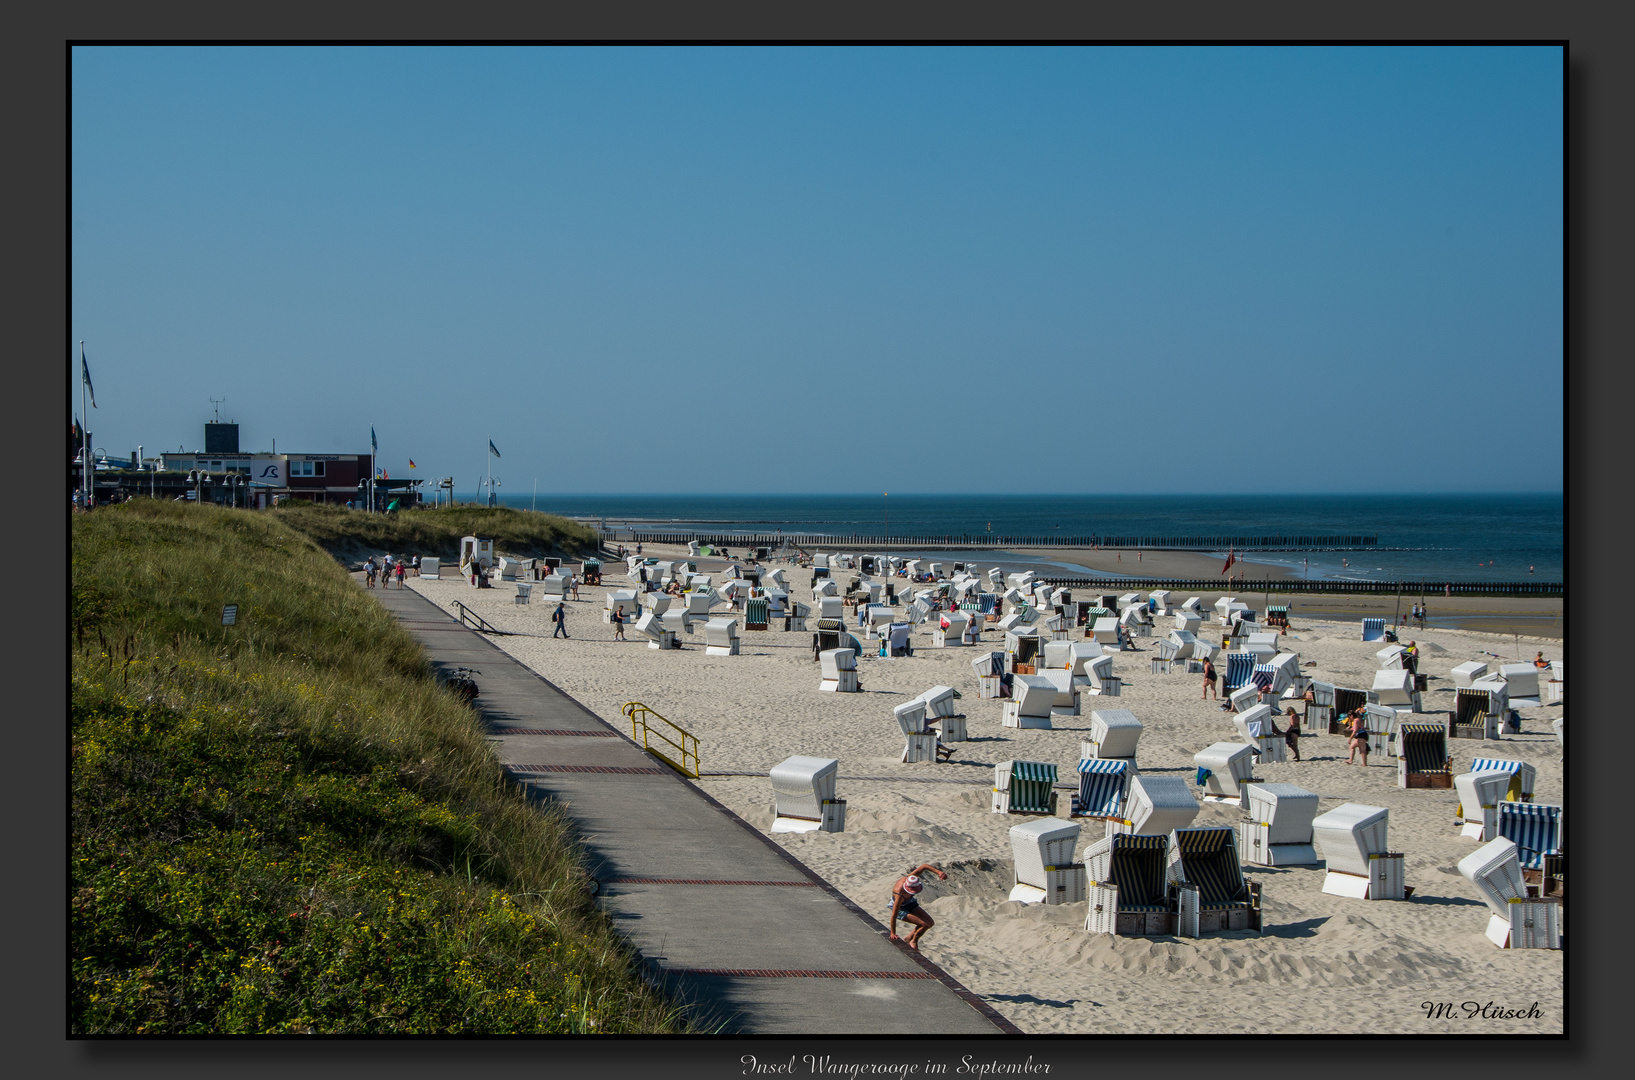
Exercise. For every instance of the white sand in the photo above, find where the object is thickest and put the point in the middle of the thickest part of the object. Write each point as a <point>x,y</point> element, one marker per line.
<point>1324,964</point>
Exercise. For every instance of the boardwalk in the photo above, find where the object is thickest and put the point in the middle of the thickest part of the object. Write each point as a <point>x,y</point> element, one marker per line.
<point>723,915</point>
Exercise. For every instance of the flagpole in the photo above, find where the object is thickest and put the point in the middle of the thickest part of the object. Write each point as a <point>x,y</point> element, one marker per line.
<point>490,457</point>
<point>85,436</point>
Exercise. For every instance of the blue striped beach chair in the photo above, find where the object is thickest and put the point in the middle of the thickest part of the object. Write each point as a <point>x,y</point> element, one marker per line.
<point>1373,630</point>
<point>1263,676</point>
<point>1102,787</point>
<point>1024,787</point>
<point>1521,776</point>
<point>1129,889</point>
<point>1207,858</point>
<point>1535,829</point>
<point>1240,668</point>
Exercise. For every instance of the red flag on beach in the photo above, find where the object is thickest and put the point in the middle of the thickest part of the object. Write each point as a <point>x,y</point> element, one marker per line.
<point>1231,557</point>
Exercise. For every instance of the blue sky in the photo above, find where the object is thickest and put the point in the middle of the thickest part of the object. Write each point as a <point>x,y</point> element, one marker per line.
<point>829,270</point>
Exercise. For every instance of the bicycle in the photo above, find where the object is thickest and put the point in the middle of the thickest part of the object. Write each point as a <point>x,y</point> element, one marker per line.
<point>461,682</point>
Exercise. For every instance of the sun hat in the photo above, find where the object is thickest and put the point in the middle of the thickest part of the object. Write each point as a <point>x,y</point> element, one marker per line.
<point>912,883</point>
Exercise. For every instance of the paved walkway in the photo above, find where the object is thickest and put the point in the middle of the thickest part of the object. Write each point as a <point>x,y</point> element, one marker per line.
<point>726,917</point>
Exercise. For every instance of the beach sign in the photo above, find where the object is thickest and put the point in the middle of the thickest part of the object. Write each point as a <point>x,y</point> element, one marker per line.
<point>229,615</point>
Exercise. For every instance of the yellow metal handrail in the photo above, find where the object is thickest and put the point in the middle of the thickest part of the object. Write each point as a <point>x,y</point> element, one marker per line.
<point>686,749</point>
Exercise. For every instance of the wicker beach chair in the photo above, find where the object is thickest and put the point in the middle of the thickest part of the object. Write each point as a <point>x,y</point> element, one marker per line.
<point>1480,793</point>
<point>1129,888</point>
<point>1373,629</point>
<point>839,671</point>
<point>1240,668</point>
<point>1515,920</point>
<point>1024,787</point>
<point>1353,841</point>
<point>1254,726</point>
<point>1045,870</point>
<point>1422,755</point>
<point>1207,859</point>
<point>1155,805</point>
<point>1032,700</point>
<point>1521,685</point>
<point>1536,830</point>
<point>1223,769</point>
<point>803,789</point>
<point>651,626</point>
<point>950,629</point>
<point>1114,736</point>
<point>1277,831</point>
<point>1522,774</point>
<point>1103,787</point>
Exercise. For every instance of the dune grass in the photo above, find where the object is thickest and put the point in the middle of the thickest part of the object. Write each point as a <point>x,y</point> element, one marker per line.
<point>287,825</point>
<point>437,531</point>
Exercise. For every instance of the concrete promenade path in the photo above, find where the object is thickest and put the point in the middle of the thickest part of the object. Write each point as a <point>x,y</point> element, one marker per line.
<point>725,917</point>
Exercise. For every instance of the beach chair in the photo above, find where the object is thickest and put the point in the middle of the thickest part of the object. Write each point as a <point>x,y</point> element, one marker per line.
<point>624,602</point>
<point>1515,920</point>
<point>1244,697</point>
<point>1128,887</point>
<point>524,588</point>
<point>897,639</point>
<point>656,602</point>
<point>757,613</point>
<point>826,587</point>
<point>941,710</point>
<point>950,629</point>
<point>1066,701</point>
<point>1105,632</point>
<point>1058,655</point>
<point>1103,683</point>
<point>1103,786</point>
<point>1522,776</point>
<point>1373,629</point>
<point>838,671</point>
<point>555,585</point>
<point>1536,830</point>
<point>1277,831</point>
<point>1277,615</point>
<point>1346,699</point>
<point>1422,755</point>
<point>1391,657</point>
<point>1559,725</point>
<point>651,626</point>
<point>1558,679</point>
<point>1240,668</point>
<point>1023,651</point>
<point>1254,726</point>
<point>430,568</point>
<point>798,614</point>
<point>1206,858</point>
<point>1133,623</point>
<point>1223,609</point>
<point>676,620</point>
<point>1262,646</point>
<point>874,619</point>
<point>1188,621</point>
<point>1468,672</point>
<point>1045,870</point>
<point>1024,787</point>
<point>1500,703</point>
<point>698,604</point>
<point>919,743</point>
<point>1319,708</point>
<point>1185,644</point>
<point>1382,721</point>
<point>1030,704</point>
<point>1395,688</point>
<point>1353,841</point>
<point>1521,685</point>
<point>692,549</point>
<point>803,789</point>
<point>1156,805</point>
<point>1114,736</point>
<point>989,669</point>
<point>1480,793</point>
<point>721,637</point>
<point>1223,769</point>
<point>1473,715</point>
<point>1286,677</point>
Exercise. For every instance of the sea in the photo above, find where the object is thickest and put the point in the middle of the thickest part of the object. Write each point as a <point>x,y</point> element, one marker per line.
<point>1448,537</point>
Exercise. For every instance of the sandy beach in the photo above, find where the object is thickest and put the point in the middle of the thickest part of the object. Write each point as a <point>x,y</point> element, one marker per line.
<point>1324,964</point>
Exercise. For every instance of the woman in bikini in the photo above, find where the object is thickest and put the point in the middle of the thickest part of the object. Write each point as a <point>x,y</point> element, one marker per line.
<point>905,903</point>
<point>1359,737</point>
<point>1291,734</point>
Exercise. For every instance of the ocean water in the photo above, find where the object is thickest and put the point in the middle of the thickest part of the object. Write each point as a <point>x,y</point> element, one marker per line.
<point>1458,537</point>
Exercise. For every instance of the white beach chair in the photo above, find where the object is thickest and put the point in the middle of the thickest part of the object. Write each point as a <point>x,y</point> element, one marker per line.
<point>555,585</point>
<point>1103,683</point>
<point>1394,687</point>
<point>1223,608</point>
<point>897,638</point>
<point>1158,602</point>
<point>803,789</point>
<point>1479,710</point>
<point>1468,672</point>
<point>1114,736</point>
<point>430,568</point>
<point>1045,870</point>
<point>1223,769</point>
<point>1515,920</point>
<point>1185,644</point>
<point>1032,697</point>
<point>1537,831</point>
<point>919,743</point>
<point>1521,685</point>
<point>941,710</point>
<point>1319,711</point>
<point>1286,677</point>
<point>838,671</point>
<point>1373,629</point>
<point>989,668</point>
<point>1066,701</point>
<point>826,588</point>
<point>1353,841</point>
<point>875,619</point>
<point>1024,787</point>
<point>1382,722</point>
<point>1244,698</point>
<point>1278,829</point>
<point>675,620</point>
<point>651,626</point>
<point>1023,649</point>
<point>692,548</point>
<point>950,629</point>
<point>1135,623</point>
<point>1559,725</point>
<point>524,588</point>
<point>1558,679</point>
<point>1105,632</point>
<point>1480,793</point>
<point>1262,645</point>
<point>1128,886</point>
<point>831,607</point>
<point>721,637</point>
<point>1391,657</point>
<point>1523,775</point>
<point>624,602</point>
<point>1254,726</point>
<point>1156,805</point>
<point>798,614</point>
<point>1206,860</point>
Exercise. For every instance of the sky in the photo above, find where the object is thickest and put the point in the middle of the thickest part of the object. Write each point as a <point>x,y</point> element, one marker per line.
<point>932,270</point>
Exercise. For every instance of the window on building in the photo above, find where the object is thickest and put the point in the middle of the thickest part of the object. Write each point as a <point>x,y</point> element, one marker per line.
<point>306,468</point>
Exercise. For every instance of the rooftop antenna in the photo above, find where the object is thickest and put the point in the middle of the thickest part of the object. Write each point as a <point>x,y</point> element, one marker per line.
<point>218,403</point>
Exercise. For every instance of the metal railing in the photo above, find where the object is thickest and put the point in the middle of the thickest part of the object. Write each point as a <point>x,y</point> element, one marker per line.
<point>475,621</point>
<point>686,750</point>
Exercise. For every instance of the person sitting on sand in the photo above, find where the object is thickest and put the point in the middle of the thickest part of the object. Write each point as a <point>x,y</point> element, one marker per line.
<point>1291,734</point>
<point>1539,661</point>
<point>1359,736</point>
<point>1410,658</point>
<point>905,903</point>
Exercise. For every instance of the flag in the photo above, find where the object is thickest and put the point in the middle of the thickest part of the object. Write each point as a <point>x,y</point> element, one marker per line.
<point>492,448</point>
<point>85,373</point>
<point>373,445</point>
<point>1231,557</point>
<point>411,463</point>
<point>384,475</point>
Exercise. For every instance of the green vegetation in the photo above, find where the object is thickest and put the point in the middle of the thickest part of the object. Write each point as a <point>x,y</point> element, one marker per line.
<point>287,825</point>
<point>437,532</point>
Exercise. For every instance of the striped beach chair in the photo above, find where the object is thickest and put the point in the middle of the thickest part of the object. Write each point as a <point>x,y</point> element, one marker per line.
<point>1129,889</point>
<point>1024,787</point>
<point>1422,755</point>
<point>1535,829</point>
<point>1207,858</point>
<point>1263,677</point>
<point>1240,669</point>
<point>757,613</point>
<point>1373,629</point>
<point>1522,775</point>
<point>1102,787</point>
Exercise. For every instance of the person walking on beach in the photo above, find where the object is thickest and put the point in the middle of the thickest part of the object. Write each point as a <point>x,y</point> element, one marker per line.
<point>618,624</point>
<point>417,566</point>
<point>401,572</point>
<point>369,572</point>
<point>1291,734</point>
<point>1209,680</point>
<point>1359,737</point>
<point>560,618</point>
<point>905,903</point>
<point>573,585</point>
